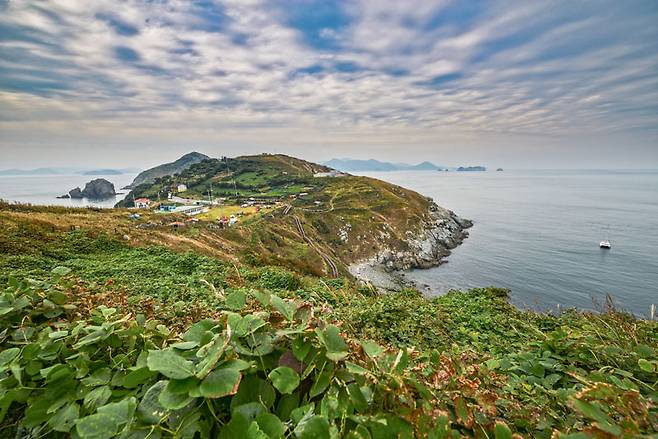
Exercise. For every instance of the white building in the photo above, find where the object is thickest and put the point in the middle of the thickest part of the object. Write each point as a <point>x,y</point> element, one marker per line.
<point>190,210</point>
<point>181,188</point>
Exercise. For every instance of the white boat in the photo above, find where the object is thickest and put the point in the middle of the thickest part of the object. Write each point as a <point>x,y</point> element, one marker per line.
<point>605,244</point>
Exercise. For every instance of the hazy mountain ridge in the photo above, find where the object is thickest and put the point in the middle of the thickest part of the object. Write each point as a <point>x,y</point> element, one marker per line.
<point>68,170</point>
<point>348,165</point>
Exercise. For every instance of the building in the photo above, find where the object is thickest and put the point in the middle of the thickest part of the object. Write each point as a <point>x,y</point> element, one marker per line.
<point>190,210</point>
<point>181,188</point>
<point>167,208</point>
<point>142,203</point>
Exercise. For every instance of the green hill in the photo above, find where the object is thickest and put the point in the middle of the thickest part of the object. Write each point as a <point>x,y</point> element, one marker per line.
<point>166,169</point>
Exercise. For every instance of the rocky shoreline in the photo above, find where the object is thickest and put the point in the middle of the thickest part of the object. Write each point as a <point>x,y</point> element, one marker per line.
<point>429,247</point>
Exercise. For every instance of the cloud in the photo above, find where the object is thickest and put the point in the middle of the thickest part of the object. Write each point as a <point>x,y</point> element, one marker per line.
<point>545,68</point>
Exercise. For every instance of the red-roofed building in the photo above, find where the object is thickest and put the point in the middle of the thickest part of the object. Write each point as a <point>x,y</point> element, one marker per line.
<point>142,203</point>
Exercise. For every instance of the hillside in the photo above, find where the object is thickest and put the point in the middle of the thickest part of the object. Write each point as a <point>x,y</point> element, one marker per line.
<point>348,219</point>
<point>112,328</point>
<point>139,323</point>
<point>166,169</point>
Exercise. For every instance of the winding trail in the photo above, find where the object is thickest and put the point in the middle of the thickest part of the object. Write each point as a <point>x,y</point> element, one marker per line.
<point>327,259</point>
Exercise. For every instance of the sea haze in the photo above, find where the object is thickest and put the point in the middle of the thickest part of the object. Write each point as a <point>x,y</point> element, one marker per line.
<point>44,189</point>
<point>538,232</point>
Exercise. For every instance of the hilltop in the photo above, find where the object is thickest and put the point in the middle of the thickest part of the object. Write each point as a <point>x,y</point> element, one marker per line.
<point>172,168</point>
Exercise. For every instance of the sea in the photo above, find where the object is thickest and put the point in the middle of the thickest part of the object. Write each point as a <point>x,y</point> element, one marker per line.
<point>44,189</point>
<point>536,233</point>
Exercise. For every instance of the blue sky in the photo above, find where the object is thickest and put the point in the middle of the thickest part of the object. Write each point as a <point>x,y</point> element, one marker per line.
<point>510,83</point>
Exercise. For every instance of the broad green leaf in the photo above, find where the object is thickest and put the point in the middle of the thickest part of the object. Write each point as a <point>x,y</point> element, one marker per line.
<point>65,418</point>
<point>185,345</point>
<point>97,426</point>
<point>150,409</point>
<point>170,364</point>
<point>122,411</point>
<point>254,389</point>
<point>198,331</point>
<point>321,382</point>
<point>96,397</point>
<point>211,353</point>
<point>220,382</point>
<point>136,377</point>
<point>183,386</point>
<point>284,379</point>
<point>173,401</point>
<point>355,368</point>
<point>315,427</point>
<point>502,431</point>
<point>249,410</point>
<point>333,342</point>
<point>287,309</point>
<point>645,365</point>
<point>98,377</point>
<point>7,355</point>
<point>236,300</point>
<point>372,349</point>
<point>590,411</point>
<point>358,400</point>
<point>271,425</point>
<point>107,421</point>
<point>301,347</point>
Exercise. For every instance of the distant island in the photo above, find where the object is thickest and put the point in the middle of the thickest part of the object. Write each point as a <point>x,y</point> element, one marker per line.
<point>350,165</point>
<point>104,172</point>
<point>471,169</point>
<point>67,171</point>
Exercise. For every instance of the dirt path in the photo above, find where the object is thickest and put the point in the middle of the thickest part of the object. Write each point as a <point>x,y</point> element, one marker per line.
<point>327,259</point>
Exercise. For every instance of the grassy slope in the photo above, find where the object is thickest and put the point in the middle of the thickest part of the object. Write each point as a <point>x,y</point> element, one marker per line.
<point>482,360</point>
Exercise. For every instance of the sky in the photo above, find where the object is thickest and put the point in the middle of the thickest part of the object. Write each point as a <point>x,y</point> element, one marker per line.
<point>525,84</point>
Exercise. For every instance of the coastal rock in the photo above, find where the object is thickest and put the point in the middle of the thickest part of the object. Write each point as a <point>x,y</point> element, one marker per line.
<point>441,231</point>
<point>99,189</point>
<point>75,193</point>
<point>96,189</point>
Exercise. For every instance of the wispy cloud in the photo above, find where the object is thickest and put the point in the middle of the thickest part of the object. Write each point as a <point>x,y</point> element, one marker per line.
<point>415,69</point>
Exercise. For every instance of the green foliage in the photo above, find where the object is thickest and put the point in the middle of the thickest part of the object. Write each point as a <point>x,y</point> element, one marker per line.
<point>279,279</point>
<point>276,370</point>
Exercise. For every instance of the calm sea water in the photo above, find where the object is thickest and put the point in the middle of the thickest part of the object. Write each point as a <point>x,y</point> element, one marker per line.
<point>43,190</point>
<point>538,232</point>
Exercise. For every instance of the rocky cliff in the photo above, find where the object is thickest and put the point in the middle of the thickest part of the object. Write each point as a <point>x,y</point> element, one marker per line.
<point>427,248</point>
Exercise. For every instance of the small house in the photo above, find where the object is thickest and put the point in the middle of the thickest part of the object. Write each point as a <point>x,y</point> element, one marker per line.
<point>181,188</point>
<point>142,203</point>
<point>167,208</point>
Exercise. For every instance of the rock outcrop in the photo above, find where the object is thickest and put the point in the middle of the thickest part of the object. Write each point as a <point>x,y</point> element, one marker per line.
<point>76,193</point>
<point>98,189</point>
<point>427,248</point>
